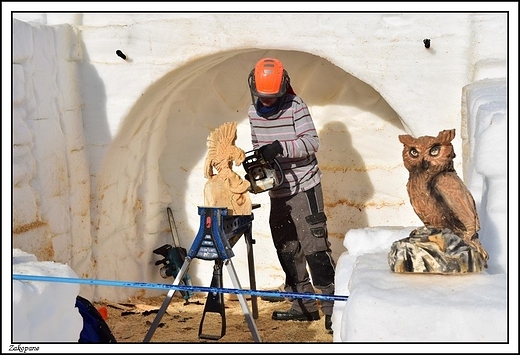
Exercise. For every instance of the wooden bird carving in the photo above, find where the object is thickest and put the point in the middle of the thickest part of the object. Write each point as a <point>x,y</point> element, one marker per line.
<point>225,188</point>
<point>437,194</point>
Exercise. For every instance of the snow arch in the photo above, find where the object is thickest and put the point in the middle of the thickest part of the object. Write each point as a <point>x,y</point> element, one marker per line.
<point>157,156</point>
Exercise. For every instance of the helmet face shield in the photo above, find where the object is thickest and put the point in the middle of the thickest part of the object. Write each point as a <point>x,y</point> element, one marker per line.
<point>268,79</point>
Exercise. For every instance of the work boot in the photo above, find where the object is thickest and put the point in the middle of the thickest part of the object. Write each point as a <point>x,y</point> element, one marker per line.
<point>276,298</point>
<point>292,314</point>
<point>328,323</point>
<point>272,298</point>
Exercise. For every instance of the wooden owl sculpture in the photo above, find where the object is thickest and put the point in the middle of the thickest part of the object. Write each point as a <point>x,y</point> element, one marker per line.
<point>437,194</point>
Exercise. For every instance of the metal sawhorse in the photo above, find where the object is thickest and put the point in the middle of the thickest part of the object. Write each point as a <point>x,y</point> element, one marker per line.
<point>217,234</point>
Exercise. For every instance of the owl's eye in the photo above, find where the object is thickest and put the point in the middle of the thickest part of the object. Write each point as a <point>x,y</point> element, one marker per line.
<point>435,150</point>
<point>414,153</point>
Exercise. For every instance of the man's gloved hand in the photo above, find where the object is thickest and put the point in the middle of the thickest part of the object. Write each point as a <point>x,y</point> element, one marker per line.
<point>270,151</point>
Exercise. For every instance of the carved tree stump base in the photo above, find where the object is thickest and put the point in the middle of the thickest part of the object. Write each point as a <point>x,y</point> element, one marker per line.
<point>430,250</point>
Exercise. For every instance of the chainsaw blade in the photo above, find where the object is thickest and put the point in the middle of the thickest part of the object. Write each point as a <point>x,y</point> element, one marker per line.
<point>173,228</point>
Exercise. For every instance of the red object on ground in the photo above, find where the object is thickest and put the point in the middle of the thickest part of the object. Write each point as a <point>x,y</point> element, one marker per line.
<point>103,311</point>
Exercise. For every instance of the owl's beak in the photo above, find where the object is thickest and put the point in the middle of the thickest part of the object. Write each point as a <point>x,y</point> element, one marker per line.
<point>425,165</point>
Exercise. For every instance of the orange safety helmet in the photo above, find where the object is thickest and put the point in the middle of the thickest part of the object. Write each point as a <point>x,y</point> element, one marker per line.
<point>268,78</point>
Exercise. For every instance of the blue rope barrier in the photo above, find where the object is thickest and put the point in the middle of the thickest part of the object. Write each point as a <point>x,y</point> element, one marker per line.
<point>116,283</point>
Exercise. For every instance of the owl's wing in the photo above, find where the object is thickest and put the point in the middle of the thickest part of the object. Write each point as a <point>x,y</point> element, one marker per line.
<point>459,201</point>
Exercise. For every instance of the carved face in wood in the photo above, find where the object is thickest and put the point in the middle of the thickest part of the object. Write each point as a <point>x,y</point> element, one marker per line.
<point>430,155</point>
<point>225,188</point>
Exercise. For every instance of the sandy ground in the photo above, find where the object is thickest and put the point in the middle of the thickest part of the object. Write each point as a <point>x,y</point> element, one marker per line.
<point>130,322</point>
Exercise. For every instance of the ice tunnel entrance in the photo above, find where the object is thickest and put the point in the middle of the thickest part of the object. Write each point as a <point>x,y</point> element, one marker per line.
<point>157,156</point>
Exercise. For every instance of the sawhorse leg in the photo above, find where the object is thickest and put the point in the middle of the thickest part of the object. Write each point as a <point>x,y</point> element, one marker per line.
<point>242,299</point>
<point>167,301</point>
<point>214,304</point>
<point>251,265</point>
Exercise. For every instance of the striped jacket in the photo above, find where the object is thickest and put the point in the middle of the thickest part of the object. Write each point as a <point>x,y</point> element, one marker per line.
<point>293,127</point>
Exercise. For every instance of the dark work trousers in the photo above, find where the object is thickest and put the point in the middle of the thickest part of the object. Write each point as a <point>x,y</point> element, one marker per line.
<point>299,230</point>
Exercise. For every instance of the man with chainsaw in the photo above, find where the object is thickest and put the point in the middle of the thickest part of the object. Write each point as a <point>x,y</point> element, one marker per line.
<point>282,129</point>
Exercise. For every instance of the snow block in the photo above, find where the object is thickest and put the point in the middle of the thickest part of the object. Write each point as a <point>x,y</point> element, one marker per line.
<point>473,305</point>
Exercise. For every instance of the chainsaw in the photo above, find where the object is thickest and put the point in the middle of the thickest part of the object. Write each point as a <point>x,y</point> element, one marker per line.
<point>262,175</point>
<point>173,258</point>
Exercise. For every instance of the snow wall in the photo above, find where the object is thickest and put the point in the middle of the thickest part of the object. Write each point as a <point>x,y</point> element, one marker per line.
<point>102,145</point>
